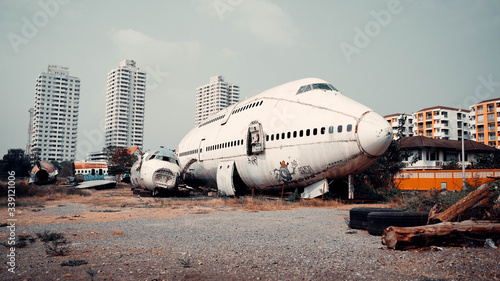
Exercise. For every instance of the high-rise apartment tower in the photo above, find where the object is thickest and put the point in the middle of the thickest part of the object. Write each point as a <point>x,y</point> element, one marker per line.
<point>125,104</point>
<point>55,115</point>
<point>214,97</point>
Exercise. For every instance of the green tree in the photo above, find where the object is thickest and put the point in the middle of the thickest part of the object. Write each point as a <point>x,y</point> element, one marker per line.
<point>15,160</point>
<point>121,162</point>
<point>64,168</point>
<point>488,160</point>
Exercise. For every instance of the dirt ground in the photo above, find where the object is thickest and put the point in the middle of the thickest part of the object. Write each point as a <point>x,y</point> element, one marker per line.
<point>131,261</point>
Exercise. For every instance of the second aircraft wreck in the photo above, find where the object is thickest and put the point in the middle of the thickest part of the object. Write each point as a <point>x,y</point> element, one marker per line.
<point>157,170</point>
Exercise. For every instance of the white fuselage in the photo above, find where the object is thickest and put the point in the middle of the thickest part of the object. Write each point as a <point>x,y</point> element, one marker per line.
<point>156,170</point>
<point>281,136</point>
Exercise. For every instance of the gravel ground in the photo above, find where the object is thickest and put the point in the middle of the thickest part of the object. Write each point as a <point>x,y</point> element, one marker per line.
<point>301,244</point>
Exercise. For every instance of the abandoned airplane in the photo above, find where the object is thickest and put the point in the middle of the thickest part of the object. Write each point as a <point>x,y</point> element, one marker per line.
<point>92,175</point>
<point>43,172</point>
<point>156,171</point>
<point>291,136</point>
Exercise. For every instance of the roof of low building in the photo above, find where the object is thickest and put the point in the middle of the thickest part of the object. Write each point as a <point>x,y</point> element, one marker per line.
<point>131,150</point>
<point>443,107</point>
<point>421,141</point>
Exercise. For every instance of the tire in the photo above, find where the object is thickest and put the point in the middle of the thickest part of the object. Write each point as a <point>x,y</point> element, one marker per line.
<point>358,216</point>
<point>377,222</point>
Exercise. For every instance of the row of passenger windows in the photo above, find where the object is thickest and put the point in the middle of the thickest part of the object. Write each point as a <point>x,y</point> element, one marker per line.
<point>272,137</point>
<point>91,171</point>
<point>194,151</point>
<point>212,120</point>
<point>250,105</point>
<point>224,145</point>
<point>307,132</point>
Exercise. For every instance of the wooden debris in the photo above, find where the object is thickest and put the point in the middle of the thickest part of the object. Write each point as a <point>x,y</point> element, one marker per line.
<point>479,198</point>
<point>446,233</point>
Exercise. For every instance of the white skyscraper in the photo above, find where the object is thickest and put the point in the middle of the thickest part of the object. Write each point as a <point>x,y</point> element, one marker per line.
<point>55,115</point>
<point>125,103</point>
<point>214,97</point>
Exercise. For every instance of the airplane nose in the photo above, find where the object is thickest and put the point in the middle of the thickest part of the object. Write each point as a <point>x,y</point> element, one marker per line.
<point>374,134</point>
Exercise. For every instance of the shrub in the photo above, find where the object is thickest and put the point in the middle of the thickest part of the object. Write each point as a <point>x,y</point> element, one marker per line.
<point>51,236</point>
<point>74,262</point>
<point>55,249</point>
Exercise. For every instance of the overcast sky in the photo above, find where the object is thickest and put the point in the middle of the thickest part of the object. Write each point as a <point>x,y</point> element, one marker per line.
<point>393,56</point>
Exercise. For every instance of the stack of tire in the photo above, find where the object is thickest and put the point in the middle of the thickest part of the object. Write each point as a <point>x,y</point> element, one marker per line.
<point>375,220</point>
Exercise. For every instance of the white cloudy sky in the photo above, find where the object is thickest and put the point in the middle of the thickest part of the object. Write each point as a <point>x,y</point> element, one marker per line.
<point>394,56</point>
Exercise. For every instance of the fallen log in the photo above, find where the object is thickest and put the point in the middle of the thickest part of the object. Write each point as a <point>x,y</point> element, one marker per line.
<point>479,198</point>
<point>445,233</point>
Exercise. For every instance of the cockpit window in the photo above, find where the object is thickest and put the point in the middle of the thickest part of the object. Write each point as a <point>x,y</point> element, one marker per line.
<point>322,87</point>
<point>333,88</point>
<point>301,89</point>
<point>165,158</point>
<point>316,86</point>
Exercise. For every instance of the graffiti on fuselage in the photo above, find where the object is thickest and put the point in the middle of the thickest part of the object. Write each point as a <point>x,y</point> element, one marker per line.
<point>89,177</point>
<point>283,173</point>
<point>253,160</point>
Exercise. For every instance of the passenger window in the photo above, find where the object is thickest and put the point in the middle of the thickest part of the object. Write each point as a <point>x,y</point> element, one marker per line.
<point>272,137</point>
<point>294,134</point>
<point>315,131</point>
<point>288,135</point>
<point>330,130</point>
<point>349,127</point>
<point>277,136</point>
<point>261,102</point>
<point>323,130</point>
<point>282,136</point>
<point>308,132</point>
<point>339,129</point>
<point>301,133</point>
<point>267,138</point>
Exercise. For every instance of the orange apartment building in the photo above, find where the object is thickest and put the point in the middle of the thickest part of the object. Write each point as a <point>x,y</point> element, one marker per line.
<point>441,122</point>
<point>485,121</point>
<point>438,122</point>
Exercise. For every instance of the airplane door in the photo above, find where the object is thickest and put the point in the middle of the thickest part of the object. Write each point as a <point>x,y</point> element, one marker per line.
<point>255,138</point>
<point>225,172</point>
<point>200,150</point>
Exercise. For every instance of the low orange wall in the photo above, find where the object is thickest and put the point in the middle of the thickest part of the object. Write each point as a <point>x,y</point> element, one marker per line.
<point>443,179</point>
